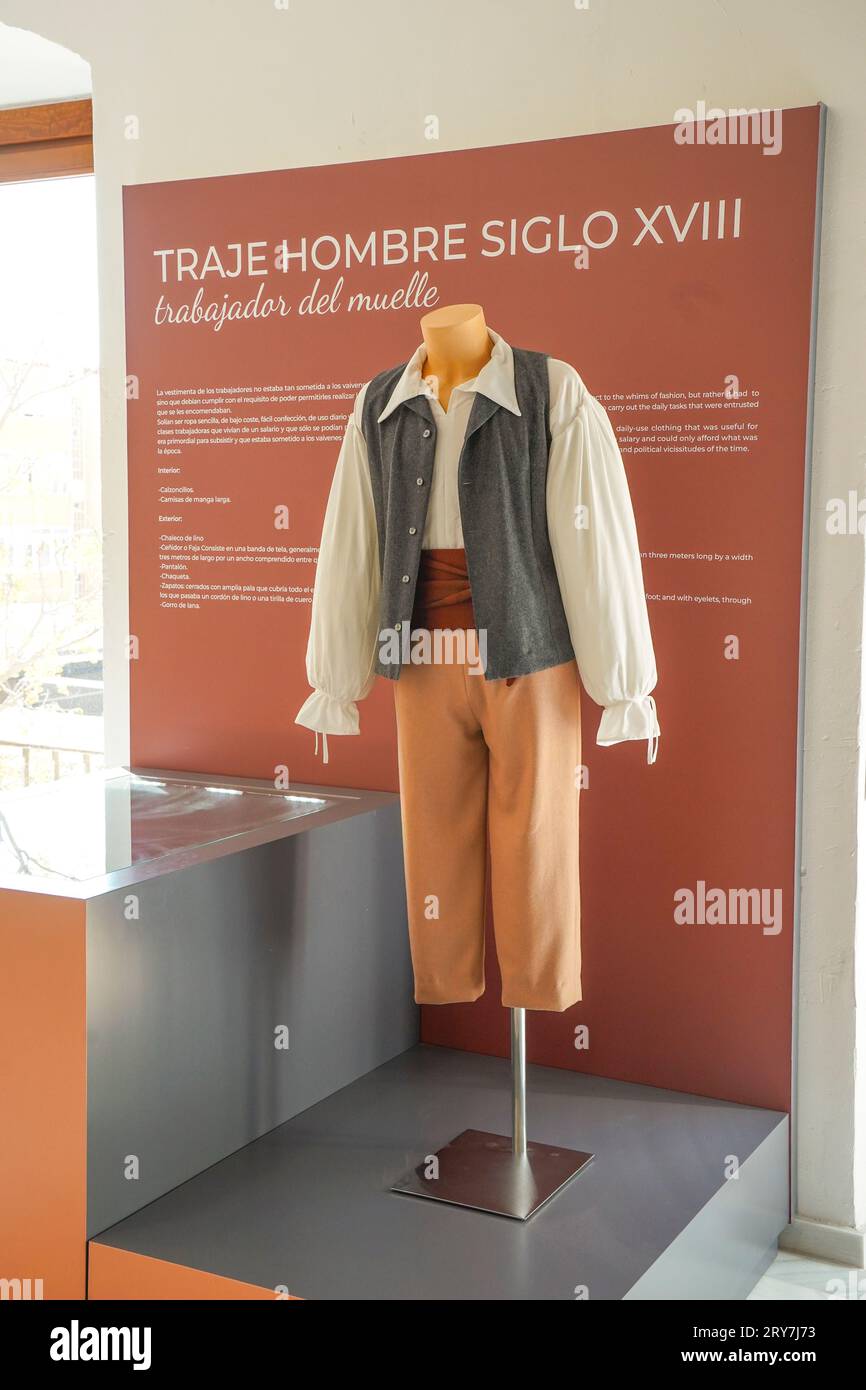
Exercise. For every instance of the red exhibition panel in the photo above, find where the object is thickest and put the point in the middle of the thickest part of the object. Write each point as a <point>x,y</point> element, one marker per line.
<point>243,363</point>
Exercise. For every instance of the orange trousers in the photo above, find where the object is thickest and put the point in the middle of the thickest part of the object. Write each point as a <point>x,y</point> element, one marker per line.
<point>491,761</point>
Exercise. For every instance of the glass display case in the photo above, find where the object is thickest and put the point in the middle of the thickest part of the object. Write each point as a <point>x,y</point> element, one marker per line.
<point>84,827</point>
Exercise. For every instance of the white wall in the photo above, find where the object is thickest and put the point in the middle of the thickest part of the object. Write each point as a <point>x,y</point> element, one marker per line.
<point>222,86</point>
<point>29,63</point>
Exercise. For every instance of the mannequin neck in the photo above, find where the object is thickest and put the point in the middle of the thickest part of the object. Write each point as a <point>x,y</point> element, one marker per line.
<point>458,346</point>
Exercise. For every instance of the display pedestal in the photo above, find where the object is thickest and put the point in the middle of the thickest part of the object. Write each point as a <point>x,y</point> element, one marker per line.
<point>490,1172</point>
<point>482,1171</point>
<point>167,941</point>
<point>309,1207</point>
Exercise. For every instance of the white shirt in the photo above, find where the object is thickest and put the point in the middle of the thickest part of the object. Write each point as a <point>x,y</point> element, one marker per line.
<point>592,536</point>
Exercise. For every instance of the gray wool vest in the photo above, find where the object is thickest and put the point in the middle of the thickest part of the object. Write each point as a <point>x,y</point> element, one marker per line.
<point>502,482</point>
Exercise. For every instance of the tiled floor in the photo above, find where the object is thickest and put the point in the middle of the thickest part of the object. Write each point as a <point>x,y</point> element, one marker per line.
<point>798,1277</point>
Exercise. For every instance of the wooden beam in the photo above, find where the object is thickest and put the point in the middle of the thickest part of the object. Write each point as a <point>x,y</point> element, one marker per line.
<point>51,140</point>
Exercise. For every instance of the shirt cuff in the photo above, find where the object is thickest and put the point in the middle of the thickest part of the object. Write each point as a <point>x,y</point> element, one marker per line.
<point>326,715</point>
<point>630,719</point>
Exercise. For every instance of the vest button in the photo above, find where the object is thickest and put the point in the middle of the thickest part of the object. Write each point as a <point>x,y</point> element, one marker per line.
<point>426,434</point>
<point>397,627</point>
<point>412,531</point>
<point>405,579</point>
<point>420,482</point>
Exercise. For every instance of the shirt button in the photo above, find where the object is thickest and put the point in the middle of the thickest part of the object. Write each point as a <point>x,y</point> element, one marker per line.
<point>426,434</point>
<point>405,579</point>
<point>420,482</point>
<point>412,531</point>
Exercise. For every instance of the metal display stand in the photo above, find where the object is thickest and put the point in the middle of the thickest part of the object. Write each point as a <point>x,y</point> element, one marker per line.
<point>492,1172</point>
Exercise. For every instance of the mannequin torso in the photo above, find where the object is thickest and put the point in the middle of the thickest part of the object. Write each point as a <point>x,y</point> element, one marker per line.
<point>458,346</point>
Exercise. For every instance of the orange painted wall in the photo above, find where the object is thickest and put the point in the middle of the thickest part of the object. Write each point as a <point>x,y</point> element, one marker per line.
<point>43,1092</point>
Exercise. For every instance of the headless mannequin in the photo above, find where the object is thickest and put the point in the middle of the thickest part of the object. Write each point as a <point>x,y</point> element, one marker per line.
<point>490,1172</point>
<point>458,346</point>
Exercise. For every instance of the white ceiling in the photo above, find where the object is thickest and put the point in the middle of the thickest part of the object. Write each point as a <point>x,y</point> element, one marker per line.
<point>33,70</point>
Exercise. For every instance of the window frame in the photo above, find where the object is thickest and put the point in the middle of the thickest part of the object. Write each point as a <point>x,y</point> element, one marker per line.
<point>46,141</point>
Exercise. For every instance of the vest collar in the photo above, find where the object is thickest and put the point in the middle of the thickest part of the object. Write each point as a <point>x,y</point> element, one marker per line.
<point>495,380</point>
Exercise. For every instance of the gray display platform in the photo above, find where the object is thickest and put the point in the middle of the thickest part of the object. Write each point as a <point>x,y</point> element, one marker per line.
<point>656,1215</point>
<point>239,952</point>
<point>248,986</point>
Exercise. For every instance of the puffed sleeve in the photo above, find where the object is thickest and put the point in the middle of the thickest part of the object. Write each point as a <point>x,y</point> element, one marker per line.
<point>595,549</point>
<point>344,622</point>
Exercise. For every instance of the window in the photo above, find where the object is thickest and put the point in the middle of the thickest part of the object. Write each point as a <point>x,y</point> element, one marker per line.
<point>50,525</point>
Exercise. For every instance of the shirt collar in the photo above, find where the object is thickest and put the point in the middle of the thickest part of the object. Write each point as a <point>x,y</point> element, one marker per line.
<point>495,380</point>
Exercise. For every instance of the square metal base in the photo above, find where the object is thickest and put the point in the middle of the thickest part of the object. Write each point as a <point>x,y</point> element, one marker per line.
<point>480,1170</point>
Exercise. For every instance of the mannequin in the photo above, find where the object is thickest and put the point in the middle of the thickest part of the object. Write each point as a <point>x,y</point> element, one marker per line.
<point>458,346</point>
<point>453,513</point>
<point>456,508</point>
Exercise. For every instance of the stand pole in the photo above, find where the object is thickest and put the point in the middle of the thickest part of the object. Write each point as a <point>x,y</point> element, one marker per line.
<point>494,1172</point>
<point>518,1082</point>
